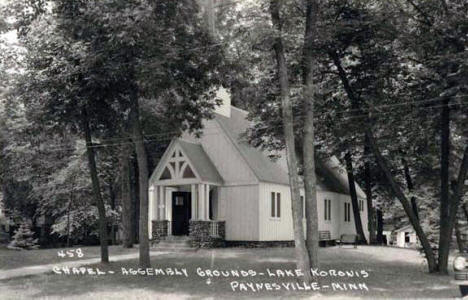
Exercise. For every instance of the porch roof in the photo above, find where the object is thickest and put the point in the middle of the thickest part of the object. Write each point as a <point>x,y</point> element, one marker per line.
<point>407,228</point>
<point>201,162</point>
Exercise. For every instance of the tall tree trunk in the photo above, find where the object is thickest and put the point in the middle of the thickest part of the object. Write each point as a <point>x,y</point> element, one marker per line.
<point>385,167</point>
<point>96,189</point>
<point>368,188</point>
<point>409,185</point>
<point>465,210</point>
<point>458,193</point>
<point>302,256</point>
<point>135,191</point>
<point>68,218</point>
<point>127,207</point>
<point>308,149</point>
<point>142,158</point>
<point>444,238</point>
<point>379,227</point>
<point>460,241</point>
<point>354,199</point>
<point>112,205</point>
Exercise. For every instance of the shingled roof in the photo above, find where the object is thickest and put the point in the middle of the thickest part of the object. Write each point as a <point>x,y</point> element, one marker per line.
<point>201,162</point>
<point>328,176</point>
<point>263,167</point>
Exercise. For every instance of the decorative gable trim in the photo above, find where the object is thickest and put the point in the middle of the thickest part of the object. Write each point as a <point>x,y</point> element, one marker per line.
<point>175,165</point>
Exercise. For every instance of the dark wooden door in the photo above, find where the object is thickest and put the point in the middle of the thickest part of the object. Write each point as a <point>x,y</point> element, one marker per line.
<point>181,212</point>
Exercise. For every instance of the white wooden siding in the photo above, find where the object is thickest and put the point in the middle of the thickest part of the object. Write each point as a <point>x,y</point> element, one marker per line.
<point>238,206</point>
<point>349,227</point>
<point>273,229</point>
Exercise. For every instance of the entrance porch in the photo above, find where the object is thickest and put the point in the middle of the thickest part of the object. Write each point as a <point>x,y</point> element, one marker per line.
<point>186,210</point>
<point>183,196</point>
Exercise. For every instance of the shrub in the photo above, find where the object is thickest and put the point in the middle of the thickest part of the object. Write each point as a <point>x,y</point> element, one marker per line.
<point>23,238</point>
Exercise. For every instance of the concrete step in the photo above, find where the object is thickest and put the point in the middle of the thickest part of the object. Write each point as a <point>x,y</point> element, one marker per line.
<point>171,249</point>
<point>177,238</point>
<point>176,242</point>
<point>174,245</point>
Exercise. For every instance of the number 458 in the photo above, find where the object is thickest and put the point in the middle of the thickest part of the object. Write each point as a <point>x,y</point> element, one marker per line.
<point>71,253</point>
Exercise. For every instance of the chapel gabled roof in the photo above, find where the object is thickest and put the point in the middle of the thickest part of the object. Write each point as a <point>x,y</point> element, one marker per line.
<point>330,175</point>
<point>201,162</point>
<point>195,159</point>
<point>262,166</point>
<point>267,170</point>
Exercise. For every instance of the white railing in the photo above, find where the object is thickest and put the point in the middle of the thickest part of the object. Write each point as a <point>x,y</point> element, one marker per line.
<point>214,229</point>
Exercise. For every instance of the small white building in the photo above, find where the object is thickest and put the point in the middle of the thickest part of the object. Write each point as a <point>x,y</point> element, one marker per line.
<point>405,237</point>
<point>221,186</point>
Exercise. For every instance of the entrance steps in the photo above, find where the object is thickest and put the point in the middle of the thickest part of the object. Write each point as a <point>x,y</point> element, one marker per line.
<point>175,243</point>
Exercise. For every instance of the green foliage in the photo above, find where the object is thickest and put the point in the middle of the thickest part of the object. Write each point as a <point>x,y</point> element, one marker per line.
<point>24,238</point>
<point>99,57</point>
<point>400,59</point>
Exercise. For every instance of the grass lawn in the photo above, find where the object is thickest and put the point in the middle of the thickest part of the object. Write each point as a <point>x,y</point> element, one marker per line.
<point>393,273</point>
<point>12,259</point>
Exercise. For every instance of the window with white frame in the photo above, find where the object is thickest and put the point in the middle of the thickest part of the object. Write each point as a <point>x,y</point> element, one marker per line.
<point>275,205</point>
<point>327,210</point>
<point>347,212</point>
<point>361,205</point>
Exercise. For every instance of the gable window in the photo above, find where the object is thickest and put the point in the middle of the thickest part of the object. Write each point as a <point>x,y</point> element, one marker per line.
<point>188,173</point>
<point>166,174</point>
<point>347,212</point>
<point>177,167</point>
<point>275,205</point>
<point>327,210</point>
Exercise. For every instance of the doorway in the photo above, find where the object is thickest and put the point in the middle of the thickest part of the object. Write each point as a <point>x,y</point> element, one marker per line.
<point>181,212</point>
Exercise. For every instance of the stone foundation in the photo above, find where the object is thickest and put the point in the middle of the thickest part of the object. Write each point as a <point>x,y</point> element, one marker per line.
<point>201,235</point>
<point>270,244</point>
<point>159,230</point>
<point>260,244</point>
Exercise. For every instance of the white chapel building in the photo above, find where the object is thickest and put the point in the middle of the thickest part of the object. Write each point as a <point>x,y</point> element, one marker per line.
<point>218,187</point>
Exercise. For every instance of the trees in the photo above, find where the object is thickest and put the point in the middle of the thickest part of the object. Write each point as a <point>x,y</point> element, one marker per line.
<point>288,128</point>
<point>354,199</point>
<point>126,199</point>
<point>371,215</point>
<point>376,83</point>
<point>23,238</point>
<point>70,92</point>
<point>85,70</point>
<point>383,59</point>
<point>181,85</point>
<point>308,149</point>
<point>439,48</point>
